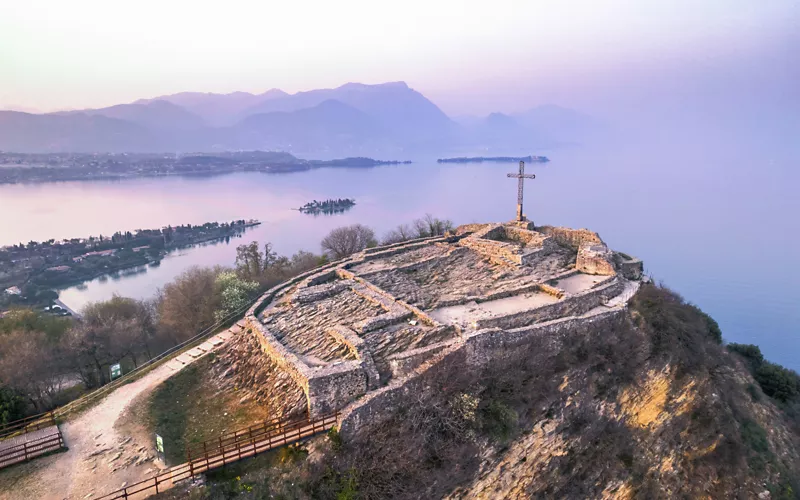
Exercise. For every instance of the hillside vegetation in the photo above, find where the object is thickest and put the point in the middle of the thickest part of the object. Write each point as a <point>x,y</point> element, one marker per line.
<point>648,406</point>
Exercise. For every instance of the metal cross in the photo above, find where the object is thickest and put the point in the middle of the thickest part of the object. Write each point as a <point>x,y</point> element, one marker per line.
<point>521,176</point>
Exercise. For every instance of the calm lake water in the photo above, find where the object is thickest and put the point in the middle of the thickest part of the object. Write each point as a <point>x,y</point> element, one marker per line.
<point>720,227</point>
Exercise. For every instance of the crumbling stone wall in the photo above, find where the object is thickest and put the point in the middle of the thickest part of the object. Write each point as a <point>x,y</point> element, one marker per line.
<point>528,246</point>
<point>595,259</point>
<point>571,306</point>
<point>479,348</point>
<point>632,269</point>
<point>332,387</point>
<point>571,237</point>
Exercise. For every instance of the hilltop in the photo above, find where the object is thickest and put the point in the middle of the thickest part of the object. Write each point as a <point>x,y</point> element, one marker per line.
<point>499,360</point>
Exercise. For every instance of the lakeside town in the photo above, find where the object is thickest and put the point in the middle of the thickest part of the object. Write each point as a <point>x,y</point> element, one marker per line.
<point>31,273</point>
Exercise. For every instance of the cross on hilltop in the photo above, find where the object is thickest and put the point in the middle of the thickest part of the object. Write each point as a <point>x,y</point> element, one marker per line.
<point>521,176</point>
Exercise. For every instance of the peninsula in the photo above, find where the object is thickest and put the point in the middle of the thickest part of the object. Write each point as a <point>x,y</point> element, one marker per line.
<point>34,168</point>
<point>495,159</point>
<point>30,273</point>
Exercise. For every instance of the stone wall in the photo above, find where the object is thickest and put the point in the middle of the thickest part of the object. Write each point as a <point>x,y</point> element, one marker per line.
<point>570,306</point>
<point>528,246</point>
<point>595,259</point>
<point>479,348</point>
<point>362,353</point>
<point>404,363</point>
<point>571,237</point>
<point>632,269</point>
<point>277,352</point>
<point>332,387</point>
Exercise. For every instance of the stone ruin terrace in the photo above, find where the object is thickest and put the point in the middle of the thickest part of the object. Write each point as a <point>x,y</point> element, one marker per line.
<point>354,325</point>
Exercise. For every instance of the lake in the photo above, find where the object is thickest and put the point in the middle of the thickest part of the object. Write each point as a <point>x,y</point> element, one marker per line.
<point>719,225</point>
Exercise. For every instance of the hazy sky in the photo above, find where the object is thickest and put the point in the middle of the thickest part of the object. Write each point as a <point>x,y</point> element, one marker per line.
<point>467,56</point>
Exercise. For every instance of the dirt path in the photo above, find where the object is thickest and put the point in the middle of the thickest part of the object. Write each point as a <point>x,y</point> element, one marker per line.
<point>100,459</point>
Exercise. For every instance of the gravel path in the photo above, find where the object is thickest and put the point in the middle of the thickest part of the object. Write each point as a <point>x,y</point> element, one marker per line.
<point>101,458</point>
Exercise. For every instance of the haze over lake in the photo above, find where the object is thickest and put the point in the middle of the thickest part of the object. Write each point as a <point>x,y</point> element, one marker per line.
<point>719,227</point>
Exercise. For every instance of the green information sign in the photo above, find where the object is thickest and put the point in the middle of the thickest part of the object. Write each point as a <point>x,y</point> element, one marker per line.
<point>159,444</point>
<point>116,371</point>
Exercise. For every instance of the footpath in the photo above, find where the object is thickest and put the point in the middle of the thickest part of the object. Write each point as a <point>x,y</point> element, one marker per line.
<point>100,459</point>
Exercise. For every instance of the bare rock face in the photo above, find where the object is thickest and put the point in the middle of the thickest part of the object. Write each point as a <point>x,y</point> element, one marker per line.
<point>595,258</point>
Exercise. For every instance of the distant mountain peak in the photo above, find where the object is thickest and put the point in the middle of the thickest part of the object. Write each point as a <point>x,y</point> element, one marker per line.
<point>363,86</point>
<point>274,93</point>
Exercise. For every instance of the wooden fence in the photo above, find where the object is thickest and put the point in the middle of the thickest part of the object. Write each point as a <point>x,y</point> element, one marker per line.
<point>227,449</point>
<point>29,449</point>
<point>26,425</point>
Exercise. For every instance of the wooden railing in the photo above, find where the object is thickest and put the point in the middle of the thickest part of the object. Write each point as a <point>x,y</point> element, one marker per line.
<point>254,440</point>
<point>26,425</point>
<point>154,485</point>
<point>31,449</point>
<point>227,449</point>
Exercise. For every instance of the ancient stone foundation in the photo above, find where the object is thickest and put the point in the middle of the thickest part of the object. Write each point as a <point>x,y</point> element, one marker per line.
<point>352,332</point>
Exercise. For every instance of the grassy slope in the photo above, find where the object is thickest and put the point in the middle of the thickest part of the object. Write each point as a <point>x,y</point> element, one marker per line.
<point>189,408</point>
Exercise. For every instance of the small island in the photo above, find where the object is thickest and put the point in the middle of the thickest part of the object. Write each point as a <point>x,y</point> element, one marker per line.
<point>328,207</point>
<point>495,159</point>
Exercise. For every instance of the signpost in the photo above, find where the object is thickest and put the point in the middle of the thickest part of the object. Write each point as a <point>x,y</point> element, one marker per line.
<point>116,371</point>
<point>160,448</point>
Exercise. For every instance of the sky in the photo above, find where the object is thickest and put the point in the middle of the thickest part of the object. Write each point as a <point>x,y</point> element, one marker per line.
<point>469,57</point>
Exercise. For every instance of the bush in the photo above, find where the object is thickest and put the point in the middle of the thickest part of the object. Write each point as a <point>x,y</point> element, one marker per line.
<point>778,382</point>
<point>499,421</point>
<point>677,329</point>
<point>12,406</point>
<point>750,352</point>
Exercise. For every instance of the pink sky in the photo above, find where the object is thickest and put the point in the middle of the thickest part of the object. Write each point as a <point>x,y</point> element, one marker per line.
<point>469,57</point>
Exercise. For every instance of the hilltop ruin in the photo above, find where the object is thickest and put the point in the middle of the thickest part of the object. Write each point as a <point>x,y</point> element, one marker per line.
<point>364,325</point>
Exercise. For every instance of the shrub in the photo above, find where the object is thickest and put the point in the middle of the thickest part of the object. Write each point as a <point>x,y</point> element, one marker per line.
<point>677,329</point>
<point>499,421</point>
<point>750,352</point>
<point>778,382</point>
<point>12,406</point>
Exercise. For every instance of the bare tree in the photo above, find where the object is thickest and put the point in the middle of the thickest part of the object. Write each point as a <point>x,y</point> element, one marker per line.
<point>345,241</point>
<point>32,365</point>
<point>250,263</point>
<point>401,233</point>
<point>432,226</point>
<point>188,304</point>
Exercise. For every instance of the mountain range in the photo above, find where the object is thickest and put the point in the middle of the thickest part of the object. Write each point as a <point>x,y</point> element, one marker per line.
<point>354,119</point>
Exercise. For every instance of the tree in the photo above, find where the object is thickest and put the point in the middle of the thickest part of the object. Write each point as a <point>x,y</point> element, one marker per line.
<point>345,241</point>
<point>187,304</point>
<point>432,226</point>
<point>304,261</point>
<point>131,323</point>
<point>33,366</point>
<point>249,262</point>
<point>12,406</point>
<point>401,233</point>
<point>235,294</point>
